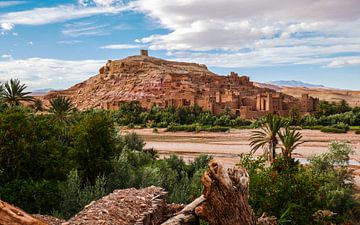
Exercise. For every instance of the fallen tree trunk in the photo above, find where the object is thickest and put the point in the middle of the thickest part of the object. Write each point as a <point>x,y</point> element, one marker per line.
<point>11,215</point>
<point>224,200</point>
<point>227,195</point>
<point>187,215</point>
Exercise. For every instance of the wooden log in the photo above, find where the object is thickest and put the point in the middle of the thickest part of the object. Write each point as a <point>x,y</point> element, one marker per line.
<point>12,215</point>
<point>187,214</point>
<point>227,195</point>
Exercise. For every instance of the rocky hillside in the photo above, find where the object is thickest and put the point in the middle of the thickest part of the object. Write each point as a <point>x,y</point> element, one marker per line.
<point>328,94</point>
<point>151,80</point>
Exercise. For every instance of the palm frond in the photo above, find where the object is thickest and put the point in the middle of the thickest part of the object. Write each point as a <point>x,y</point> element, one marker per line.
<point>61,107</point>
<point>266,136</point>
<point>290,140</point>
<point>14,93</point>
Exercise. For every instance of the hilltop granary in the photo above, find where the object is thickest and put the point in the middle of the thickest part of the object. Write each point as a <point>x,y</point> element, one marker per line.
<point>150,81</point>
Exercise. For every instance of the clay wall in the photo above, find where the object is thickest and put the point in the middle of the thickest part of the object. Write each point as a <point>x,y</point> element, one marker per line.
<point>212,93</point>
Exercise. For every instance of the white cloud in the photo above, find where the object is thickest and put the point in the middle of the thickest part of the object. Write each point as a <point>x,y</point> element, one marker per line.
<point>40,16</point>
<point>69,42</point>
<point>49,73</point>
<point>84,29</point>
<point>99,2</point>
<point>6,56</point>
<point>267,56</point>
<point>122,46</point>
<point>11,3</point>
<point>341,62</point>
<point>7,26</point>
<point>250,31</point>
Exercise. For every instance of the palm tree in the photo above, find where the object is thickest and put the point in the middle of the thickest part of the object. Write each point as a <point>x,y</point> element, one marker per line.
<point>13,93</point>
<point>2,104</point>
<point>267,136</point>
<point>1,90</point>
<point>1,93</point>
<point>61,107</point>
<point>290,140</point>
<point>38,105</point>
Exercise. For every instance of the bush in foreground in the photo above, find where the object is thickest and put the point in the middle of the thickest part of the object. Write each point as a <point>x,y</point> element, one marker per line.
<point>294,194</point>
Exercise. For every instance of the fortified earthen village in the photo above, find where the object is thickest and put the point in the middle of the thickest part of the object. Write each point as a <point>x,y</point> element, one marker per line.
<point>150,81</point>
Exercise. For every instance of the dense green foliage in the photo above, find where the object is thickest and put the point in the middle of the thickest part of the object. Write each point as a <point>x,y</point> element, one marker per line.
<point>56,163</point>
<point>196,128</point>
<point>335,117</point>
<point>330,117</point>
<point>43,171</point>
<point>175,119</point>
<point>332,114</point>
<point>331,129</point>
<point>294,194</point>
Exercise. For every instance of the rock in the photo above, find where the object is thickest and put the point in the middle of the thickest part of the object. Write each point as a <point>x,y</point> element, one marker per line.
<point>11,215</point>
<point>122,207</point>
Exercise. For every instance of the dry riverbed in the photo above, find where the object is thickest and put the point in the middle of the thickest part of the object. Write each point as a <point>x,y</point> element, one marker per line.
<point>226,147</point>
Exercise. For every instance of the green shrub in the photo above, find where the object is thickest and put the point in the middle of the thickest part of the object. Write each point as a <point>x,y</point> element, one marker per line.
<point>188,128</point>
<point>342,125</point>
<point>295,128</point>
<point>238,122</point>
<point>335,130</point>
<point>293,195</point>
<point>94,145</point>
<point>32,196</point>
<point>223,120</point>
<point>196,128</point>
<point>319,127</point>
<point>31,147</point>
<point>132,141</point>
<point>357,132</point>
<point>162,124</point>
<point>217,129</point>
<point>155,130</point>
<point>75,196</point>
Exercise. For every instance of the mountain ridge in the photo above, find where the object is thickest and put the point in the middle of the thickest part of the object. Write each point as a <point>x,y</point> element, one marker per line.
<point>296,83</point>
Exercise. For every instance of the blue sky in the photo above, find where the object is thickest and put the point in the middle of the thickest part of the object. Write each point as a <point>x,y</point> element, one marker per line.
<point>55,44</point>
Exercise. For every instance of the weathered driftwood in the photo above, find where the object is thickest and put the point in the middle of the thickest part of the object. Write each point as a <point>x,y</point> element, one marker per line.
<point>226,194</point>
<point>224,201</point>
<point>12,215</point>
<point>266,220</point>
<point>187,214</point>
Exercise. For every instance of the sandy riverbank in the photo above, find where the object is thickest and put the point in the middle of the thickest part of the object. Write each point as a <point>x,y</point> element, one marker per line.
<point>226,147</point>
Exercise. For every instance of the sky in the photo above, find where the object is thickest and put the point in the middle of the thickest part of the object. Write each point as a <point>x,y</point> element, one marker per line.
<point>56,44</point>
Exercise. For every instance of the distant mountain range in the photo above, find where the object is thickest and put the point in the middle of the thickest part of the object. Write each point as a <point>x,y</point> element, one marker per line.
<point>40,92</point>
<point>297,88</point>
<point>295,83</point>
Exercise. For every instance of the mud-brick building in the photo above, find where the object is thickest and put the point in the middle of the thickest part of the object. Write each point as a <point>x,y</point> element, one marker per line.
<point>150,81</point>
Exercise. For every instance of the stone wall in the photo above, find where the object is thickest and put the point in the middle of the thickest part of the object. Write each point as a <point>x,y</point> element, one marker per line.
<point>145,206</point>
